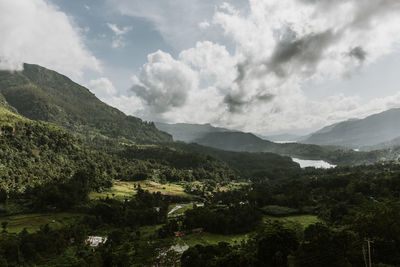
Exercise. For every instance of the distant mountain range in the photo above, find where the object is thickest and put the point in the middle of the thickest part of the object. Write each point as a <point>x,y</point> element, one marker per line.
<point>377,129</point>
<point>281,138</point>
<point>224,139</point>
<point>188,132</point>
<point>247,142</point>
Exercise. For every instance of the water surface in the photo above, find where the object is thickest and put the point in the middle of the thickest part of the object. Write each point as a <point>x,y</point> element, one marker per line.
<point>313,163</point>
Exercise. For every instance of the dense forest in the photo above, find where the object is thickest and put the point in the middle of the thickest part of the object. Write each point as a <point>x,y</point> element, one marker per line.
<point>352,205</point>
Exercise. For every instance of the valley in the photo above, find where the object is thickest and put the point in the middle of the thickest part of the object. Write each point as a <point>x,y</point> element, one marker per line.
<point>221,196</point>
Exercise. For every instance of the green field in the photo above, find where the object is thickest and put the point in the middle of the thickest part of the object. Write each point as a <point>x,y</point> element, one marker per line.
<point>122,189</point>
<point>233,186</point>
<point>210,239</point>
<point>303,220</point>
<point>126,189</point>
<point>32,222</point>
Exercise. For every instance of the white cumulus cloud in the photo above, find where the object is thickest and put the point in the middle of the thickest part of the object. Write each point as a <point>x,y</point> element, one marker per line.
<point>102,88</point>
<point>279,46</point>
<point>163,82</point>
<point>36,31</point>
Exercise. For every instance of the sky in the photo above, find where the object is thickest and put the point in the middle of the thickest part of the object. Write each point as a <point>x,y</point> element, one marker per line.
<point>262,66</point>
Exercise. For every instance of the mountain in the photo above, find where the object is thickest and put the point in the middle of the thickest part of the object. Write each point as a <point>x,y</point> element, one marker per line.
<point>248,142</point>
<point>41,94</point>
<point>357,133</point>
<point>188,132</point>
<point>223,139</point>
<point>394,143</point>
<point>280,138</point>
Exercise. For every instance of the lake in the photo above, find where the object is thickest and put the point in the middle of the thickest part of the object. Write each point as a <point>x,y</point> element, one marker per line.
<point>313,163</point>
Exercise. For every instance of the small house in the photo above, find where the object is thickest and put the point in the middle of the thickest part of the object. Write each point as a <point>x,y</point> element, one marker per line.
<point>95,241</point>
<point>179,234</point>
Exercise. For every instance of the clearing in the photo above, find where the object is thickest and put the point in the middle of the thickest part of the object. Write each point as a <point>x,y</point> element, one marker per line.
<point>303,220</point>
<point>126,189</point>
<point>32,222</point>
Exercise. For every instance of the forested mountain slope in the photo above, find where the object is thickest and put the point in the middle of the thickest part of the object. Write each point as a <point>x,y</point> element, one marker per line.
<point>41,94</point>
<point>34,153</point>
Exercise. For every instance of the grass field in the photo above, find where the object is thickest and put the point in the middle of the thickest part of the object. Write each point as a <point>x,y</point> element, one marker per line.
<point>303,220</point>
<point>32,222</point>
<point>210,239</point>
<point>233,186</point>
<point>122,189</point>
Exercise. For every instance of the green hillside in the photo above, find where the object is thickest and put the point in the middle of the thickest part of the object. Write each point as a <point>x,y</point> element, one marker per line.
<point>34,153</point>
<point>41,94</point>
<point>4,104</point>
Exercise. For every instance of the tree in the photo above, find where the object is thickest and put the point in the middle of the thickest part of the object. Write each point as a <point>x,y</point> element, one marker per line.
<point>275,244</point>
<point>321,247</point>
<point>4,226</point>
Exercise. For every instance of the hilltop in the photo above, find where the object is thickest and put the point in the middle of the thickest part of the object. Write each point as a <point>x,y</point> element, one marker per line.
<point>41,94</point>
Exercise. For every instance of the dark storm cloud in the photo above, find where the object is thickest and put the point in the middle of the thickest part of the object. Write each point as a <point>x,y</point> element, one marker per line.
<point>368,11</point>
<point>358,53</point>
<point>301,55</point>
<point>237,102</point>
<point>291,54</point>
<point>305,52</point>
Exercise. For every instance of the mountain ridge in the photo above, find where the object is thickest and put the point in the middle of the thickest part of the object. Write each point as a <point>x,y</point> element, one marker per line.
<point>188,132</point>
<point>357,133</point>
<point>41,94</point>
